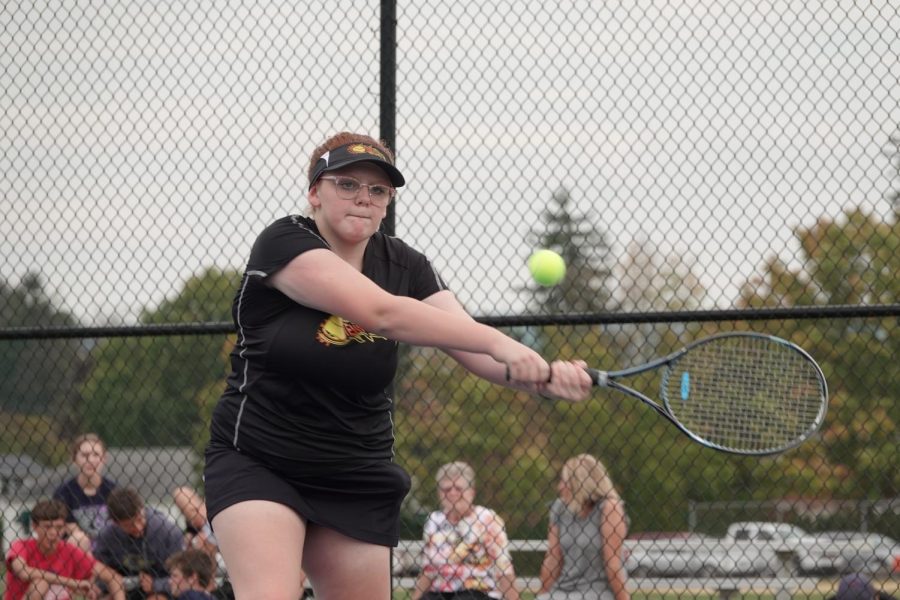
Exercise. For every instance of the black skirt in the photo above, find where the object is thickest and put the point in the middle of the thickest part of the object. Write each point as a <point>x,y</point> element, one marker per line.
<point>361,501</point>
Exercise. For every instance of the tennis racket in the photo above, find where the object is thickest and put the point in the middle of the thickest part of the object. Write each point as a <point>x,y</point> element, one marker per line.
<point>743,393</point>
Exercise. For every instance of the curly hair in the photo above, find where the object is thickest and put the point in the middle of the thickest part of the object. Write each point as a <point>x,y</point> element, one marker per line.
<point>342,139</point>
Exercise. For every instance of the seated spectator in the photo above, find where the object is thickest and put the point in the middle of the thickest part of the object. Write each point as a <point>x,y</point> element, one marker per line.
<point>586,536</point>
<point>191,575</point>
<point>466,554</point>
<point>137,543</point>
<point>857,586</point>
<point>46,566</point>
<point>198,533</point>
<point>85,494</point>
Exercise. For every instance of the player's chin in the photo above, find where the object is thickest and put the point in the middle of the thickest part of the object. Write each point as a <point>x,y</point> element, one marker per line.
<point>361,228</point>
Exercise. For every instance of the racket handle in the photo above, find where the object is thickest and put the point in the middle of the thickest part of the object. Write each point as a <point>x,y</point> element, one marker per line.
<point>600,378</point>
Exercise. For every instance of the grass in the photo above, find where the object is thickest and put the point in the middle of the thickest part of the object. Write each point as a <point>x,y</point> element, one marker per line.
<point>405,595</point>
<point>890,586</point>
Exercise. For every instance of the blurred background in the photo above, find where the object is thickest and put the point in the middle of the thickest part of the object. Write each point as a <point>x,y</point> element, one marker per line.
<point>703,166</point>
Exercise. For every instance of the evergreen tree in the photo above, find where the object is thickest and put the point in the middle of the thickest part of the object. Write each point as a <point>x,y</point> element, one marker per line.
<point>579,239</point>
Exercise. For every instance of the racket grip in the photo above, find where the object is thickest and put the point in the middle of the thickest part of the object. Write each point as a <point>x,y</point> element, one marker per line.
<point>600,378</point>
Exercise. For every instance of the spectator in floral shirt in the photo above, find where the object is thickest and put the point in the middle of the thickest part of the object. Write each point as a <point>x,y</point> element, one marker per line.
<point>466,554</point>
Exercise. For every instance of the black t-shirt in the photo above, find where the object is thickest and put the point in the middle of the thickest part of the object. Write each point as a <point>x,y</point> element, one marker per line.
<point>307,386</point>
<point>89,512</point>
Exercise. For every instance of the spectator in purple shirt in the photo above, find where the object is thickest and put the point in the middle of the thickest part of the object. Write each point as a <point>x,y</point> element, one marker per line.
<point>85,494</point>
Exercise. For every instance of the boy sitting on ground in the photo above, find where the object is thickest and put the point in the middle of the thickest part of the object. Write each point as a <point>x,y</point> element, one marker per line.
<point>46,566</point>
<point>190,574</point>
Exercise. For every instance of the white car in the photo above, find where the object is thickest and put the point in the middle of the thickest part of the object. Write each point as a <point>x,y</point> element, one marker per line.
<point>746,558</point>
<point>675,556</point>
<point>870,553</point>
<point>795,548</point>
<point>692,555</point>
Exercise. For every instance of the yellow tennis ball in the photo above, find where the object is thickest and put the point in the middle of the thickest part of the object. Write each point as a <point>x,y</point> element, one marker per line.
<point>547,267</point>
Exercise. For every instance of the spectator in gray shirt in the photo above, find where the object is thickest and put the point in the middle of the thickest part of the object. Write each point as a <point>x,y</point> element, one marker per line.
<point>137,545</point>
<point>584,559</point>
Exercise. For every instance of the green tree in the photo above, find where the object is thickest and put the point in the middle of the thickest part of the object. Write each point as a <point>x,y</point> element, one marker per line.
<point>36,376</point>
<point>39,379</point>
<point>851,260</point>
<point>144,391</point>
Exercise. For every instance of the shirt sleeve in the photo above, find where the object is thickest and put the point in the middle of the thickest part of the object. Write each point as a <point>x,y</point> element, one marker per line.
<point>424,278</point>
<point>63,494</point>
<point>103,548</point>
<point>82,563</point>
<point>16,550</point>
<point>280,243</point>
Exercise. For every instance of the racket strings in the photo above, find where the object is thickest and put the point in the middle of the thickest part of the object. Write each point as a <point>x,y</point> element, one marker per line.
<point>750,394</point>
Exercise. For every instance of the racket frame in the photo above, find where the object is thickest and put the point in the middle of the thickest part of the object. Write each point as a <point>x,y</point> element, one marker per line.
<point>608,379</point>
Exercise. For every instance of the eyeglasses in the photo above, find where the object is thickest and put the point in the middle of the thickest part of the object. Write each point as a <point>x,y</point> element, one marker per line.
<point>459,487</point>
<point>58,525</point>
<point>348,188</point>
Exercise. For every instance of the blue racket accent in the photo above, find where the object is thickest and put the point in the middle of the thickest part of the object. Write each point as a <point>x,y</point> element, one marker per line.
<point>685,385</point>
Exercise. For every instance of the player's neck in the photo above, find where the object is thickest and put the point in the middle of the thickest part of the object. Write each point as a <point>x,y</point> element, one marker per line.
<point>90,483</point>
<point>47,548</point>
<point>351,252</point>
<point>454,516</point>
<point>587,509</point>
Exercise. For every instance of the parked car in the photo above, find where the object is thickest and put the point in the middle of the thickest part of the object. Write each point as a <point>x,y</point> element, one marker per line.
<point>795,549</point>
<point>693,555</point>
<point>667,555</point>
<point>870,553</point>
<point>737,557</point>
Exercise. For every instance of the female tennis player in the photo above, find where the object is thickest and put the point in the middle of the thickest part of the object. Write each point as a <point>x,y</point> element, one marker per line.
<point>299,468</point>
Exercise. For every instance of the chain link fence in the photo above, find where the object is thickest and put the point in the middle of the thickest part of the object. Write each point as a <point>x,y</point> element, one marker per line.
<point>702,166</point>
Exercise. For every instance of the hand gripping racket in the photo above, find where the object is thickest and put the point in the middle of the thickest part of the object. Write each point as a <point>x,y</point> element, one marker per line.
<point>743,393</point>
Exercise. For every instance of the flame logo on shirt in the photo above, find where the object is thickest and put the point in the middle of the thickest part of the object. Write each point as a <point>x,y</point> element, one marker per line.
<point>337,331</point>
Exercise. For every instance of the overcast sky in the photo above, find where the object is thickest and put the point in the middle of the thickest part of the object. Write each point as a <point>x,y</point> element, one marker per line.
<point>142,142</point>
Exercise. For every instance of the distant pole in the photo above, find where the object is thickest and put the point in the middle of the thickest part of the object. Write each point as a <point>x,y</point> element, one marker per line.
<point>388,107</point>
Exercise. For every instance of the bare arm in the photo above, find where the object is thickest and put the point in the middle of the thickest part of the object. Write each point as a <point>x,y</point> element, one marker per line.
<point>112,580</point>
<point>568,381</point>
<point>614,529</point>
<point>496,543</point>
<point>506,583</point>
<point>551,568</point>
<point>72,528</point>
<point>423,583</point>
<point>191,506</point>
<point>322,280</point>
